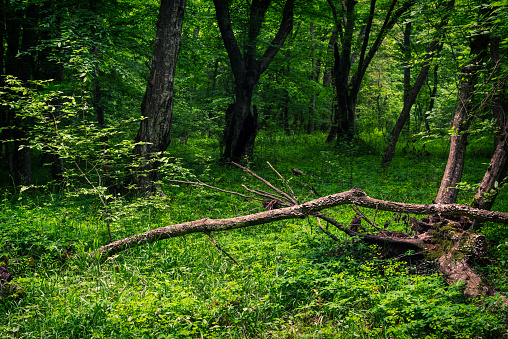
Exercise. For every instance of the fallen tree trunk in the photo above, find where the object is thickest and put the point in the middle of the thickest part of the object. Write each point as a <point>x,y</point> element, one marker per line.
<point>442,236</point>
<point>354,196</point>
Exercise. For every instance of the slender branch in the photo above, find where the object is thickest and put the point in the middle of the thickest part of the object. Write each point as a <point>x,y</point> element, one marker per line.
<point>375,214</point>
<point>266,195</point>
<point>357,211</point>
<point>220,248</point>
<point>328,233</point>
<point>214,188</point>
<point>264,181</point>
<point>294,199</point>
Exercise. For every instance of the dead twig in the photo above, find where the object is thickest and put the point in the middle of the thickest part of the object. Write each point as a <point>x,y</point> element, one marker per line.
<point>294,199</point>
<point>325,231</point>
<point>220,248</point>
<point>357,211</point>
<point>214,188</point>
<point>264,181</point>
<point>266,195</point>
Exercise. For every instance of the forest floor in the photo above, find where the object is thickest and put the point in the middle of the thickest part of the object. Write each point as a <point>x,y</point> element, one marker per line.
<point>290,279</point>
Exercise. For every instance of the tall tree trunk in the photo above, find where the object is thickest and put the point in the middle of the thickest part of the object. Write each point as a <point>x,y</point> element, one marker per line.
<point>433,93</point>
<point>20,24</point>
<point>241,125</point>
<point>3,125</point>
<point>328,80</point>
<point>406,49</point>
<point>157,107</point>
<point>496,172</point>
<point>347,85</point>
<point>499,101</point>
<point>311,119</point>
<point>455,165</point>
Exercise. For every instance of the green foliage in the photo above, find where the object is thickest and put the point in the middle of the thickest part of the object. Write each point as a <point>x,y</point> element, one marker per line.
<point>291,281</point>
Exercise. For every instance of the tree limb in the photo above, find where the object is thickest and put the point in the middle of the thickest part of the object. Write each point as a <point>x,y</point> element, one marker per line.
<point>353,196</point>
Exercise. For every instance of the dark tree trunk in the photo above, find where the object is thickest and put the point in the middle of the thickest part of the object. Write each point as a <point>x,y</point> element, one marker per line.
<point>241,126</point>
<point>154,133</point>
<point>487,192</point>
<point>499,103</point>
<point>406,49</point>
<point>469,77</point>
<point>2,72</point>
<point>347,85</point>
<point>328,80</point>
<point>20,24</point>
<point>413,94</point>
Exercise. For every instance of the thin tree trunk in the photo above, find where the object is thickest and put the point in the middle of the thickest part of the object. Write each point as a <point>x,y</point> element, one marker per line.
<point>408,104</point>
<point>154,133</point>
<point>432,99</point>
<point>3,115</point>
<point>413,94</point>
<point>406,49</point>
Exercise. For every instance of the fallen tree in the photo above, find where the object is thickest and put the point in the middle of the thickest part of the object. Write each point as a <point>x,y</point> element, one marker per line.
<point>443,235</point>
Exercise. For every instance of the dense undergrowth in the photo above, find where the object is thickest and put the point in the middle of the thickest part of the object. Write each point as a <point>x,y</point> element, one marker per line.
<point>291,281</point>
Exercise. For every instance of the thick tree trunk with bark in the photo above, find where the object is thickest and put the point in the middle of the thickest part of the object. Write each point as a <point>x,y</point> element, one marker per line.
<point>241,123</point>
<point>347,84</point>
<point>443,239</point>
<point>496,172</point>
<point>454,167</point>
<point>153,135</point>
<point>354,197</point>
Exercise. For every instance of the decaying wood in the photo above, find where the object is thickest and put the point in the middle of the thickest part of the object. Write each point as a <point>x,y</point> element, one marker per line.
<point>443,235</point>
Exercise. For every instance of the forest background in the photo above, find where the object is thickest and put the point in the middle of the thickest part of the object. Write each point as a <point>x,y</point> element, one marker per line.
<point>106,104</point>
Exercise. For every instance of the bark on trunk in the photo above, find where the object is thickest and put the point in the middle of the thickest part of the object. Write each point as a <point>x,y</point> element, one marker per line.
<point>153,135</point>
<point>348,85</point>
<point>444,239</point>
<point>487,191</point>
<point>241,126</point>
<point>454,167</point>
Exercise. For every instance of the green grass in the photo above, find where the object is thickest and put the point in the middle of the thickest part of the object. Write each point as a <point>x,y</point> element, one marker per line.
<point>291,281</point>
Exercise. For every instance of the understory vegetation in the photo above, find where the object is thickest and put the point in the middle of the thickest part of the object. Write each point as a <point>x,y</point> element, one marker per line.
<point>290,280</point>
